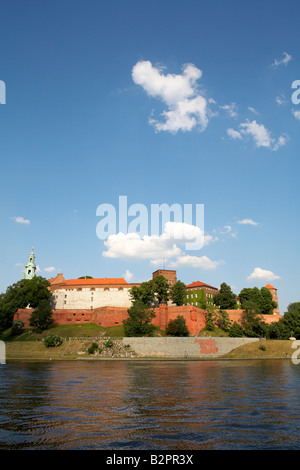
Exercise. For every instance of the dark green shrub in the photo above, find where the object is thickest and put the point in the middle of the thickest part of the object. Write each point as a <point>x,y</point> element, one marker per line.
<point>236,331</point>
<point>51,341</point>
<point>17,327</point>
<point>262,347</point>
<point>93,348</point>
<point>177,327</point>
<point>108,343</point>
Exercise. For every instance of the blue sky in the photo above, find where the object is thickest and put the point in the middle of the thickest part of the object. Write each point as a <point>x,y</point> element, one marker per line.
<point>162,102</point>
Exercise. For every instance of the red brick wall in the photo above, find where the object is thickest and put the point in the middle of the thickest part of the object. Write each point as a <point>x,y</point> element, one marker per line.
<point>111,316</point>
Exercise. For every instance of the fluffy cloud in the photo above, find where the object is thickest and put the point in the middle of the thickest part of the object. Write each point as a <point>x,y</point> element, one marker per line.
<point>262,275</point>
<point>247,222</point>
<point>132,245</point>
<point>128,276</point>
<point>260,134</point>
<point>231,109</point>
<point>202,262</point>
<point>21,220</point>
<point>50,269</point>
<point>234,134</point>
<point>156,248</point>
<point>284,61</point>
<point>186,108</point>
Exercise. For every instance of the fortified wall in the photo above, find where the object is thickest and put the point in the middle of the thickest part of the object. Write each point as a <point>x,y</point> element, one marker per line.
<point>112,316</point>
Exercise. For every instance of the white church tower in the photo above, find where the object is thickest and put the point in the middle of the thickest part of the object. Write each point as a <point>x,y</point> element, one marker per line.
<point>30,266</point>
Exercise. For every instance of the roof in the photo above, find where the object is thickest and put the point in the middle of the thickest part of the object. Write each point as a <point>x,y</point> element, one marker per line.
<point>100,281</point>
<point>268,286</point>
<point>200,284</point>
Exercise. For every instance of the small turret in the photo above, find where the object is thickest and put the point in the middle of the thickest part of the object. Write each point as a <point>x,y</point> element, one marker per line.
<point>273,291</point>
<point>30,266</point>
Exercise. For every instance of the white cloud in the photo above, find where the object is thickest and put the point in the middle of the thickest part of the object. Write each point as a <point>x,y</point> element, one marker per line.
<point>260,134</point>
<point>158,248</point>
<point>202,262</point>
<point>234,134</point>
<point>282,140</point>
<point>128,276</point>
<point>296,114</point>
<point>186,108</point>
<point>21,220</point>
<point>253,110</point>
<point>50,269</point>
<point>284,61</point>
<point>132,246</point>
<point>247,222</point>
<point>262,275</point>
<point>280,99</point>
<point>230,108</point>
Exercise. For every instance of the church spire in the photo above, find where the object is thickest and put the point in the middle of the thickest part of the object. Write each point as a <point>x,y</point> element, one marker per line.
<point>30,266</point>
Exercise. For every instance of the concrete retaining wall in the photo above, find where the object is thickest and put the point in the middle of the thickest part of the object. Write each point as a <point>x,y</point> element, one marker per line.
<point>185,347</point>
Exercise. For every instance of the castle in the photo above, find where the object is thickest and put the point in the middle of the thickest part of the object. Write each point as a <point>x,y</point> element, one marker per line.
<point>105,301</point>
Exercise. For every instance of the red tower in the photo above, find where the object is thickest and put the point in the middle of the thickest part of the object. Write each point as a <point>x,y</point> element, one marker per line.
<point>273,291</point>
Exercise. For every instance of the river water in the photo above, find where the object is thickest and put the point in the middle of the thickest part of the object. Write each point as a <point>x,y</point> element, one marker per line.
<point>150,405</point>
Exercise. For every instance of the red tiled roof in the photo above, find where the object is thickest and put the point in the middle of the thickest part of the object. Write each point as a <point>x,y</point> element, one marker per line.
<point>200,284</point>
<point>268,286</point>
<point>101,281</point>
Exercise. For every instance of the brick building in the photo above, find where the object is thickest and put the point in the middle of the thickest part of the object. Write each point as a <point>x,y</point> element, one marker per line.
<point>196,292</point>
<point>167,273</point>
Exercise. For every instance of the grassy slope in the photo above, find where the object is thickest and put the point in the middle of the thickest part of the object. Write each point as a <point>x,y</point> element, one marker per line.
<point>27,346</point>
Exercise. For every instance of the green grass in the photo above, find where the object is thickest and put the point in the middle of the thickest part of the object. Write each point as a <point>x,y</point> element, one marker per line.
<point>216,333</point>
<point>88,330</point>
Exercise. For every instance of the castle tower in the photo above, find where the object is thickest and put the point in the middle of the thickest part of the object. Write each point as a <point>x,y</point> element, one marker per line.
<point>273,291</point>
<point>30,266</point>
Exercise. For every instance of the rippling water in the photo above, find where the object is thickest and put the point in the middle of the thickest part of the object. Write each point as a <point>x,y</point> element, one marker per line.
<point>156,405</point>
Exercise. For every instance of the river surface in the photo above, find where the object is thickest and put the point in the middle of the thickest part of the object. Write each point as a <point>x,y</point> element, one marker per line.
<point>150,405</point>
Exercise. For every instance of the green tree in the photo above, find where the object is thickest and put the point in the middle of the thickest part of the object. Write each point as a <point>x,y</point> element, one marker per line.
<point>223,321</point>
<point>26,292</point>
<point>210,317</point>
<point>236,331</point>
<point>144,293</point>
<point>252,322</point>
<point>261,298</point>
<point>41,318</point>
<point>139,320</point>
<point>161,288</point>
<point>178,293</point>
<point>279,330</point>
<point>17,327</point>
<point>291,319</point>
<point>177,327</point>
<point>148,292</point>
<point>225,299</point>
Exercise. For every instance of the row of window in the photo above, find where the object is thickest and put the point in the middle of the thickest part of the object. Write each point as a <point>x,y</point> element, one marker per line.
<point>196,296</point>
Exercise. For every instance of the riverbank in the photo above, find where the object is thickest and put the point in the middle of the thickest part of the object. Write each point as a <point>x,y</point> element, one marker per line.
<point>78,350</point>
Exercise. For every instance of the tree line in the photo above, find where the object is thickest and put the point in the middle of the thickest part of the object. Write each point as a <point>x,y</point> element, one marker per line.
<point>36,294</point>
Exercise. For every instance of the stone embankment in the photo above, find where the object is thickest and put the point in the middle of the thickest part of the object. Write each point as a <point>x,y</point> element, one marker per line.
<point>185,347</point>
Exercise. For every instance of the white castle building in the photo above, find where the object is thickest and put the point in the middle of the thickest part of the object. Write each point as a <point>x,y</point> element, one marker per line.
<point>90,293</point>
